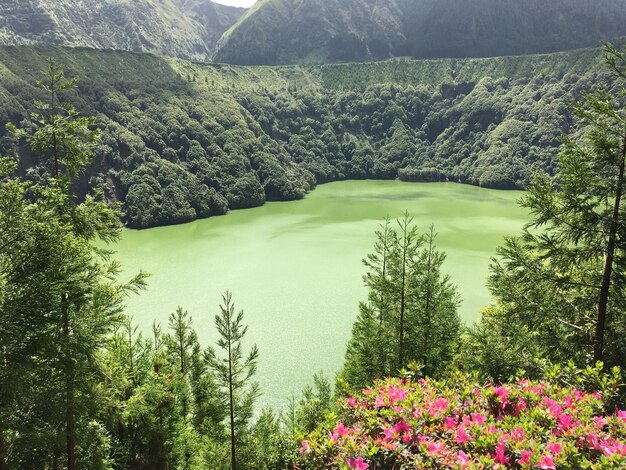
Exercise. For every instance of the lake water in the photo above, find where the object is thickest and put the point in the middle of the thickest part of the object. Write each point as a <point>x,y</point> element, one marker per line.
<point>295,267</point>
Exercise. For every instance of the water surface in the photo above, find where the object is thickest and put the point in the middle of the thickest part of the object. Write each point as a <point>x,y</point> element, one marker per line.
<point>295,267</point>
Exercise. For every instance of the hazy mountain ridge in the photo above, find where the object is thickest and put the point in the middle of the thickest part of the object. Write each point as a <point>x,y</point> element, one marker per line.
<point>297,31</point>
<point>180,28</point>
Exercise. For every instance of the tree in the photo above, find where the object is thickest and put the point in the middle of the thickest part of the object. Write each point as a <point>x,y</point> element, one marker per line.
<point>411,314</point>
<point>562,279</point>
<point>61,298</point>
<point>234,372</point>
<point>434,323</point>
<point>403,255</point>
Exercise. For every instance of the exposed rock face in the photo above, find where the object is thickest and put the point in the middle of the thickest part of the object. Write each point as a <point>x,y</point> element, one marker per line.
<point>180,28</point>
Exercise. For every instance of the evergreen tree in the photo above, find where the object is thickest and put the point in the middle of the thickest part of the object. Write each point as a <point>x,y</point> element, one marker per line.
<point>434,322</point>
<point>61,297</point>
<point>562,281</point>
<point>235,371</point>
<point>411,314</point>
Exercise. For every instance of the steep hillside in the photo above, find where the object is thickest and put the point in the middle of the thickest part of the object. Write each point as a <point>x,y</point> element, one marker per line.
<point>180,28</point>
<point>298,31</point>
<point>186,140</point>
<point>291,31</point>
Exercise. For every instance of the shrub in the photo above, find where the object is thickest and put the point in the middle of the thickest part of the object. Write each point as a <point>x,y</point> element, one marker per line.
<point>401,423</point>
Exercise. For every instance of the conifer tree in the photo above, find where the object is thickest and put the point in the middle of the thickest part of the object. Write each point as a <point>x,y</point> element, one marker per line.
<point>61,296</point>
<point>411,314</point>
<point>562,281</point>
<point>234,371</point>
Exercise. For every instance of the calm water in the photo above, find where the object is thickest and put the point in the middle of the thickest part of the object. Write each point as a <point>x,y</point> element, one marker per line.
<point>295,267</point>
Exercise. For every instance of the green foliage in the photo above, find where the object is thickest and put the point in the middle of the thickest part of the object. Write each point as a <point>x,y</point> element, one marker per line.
<point>316,31</point>
<point>558,288</point>
<point>173,151</point>
<point>60,301</point>
<point>411,316</point>
<point>234,372</point>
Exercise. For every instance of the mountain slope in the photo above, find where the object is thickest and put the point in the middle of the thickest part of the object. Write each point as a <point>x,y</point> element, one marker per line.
<point>290,31</point>
<point>180,28</point>
<point>297,31</point>
<point>184,140</point>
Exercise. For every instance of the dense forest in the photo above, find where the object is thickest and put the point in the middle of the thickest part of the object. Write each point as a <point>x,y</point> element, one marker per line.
<point>536,383</point>
<point>184,140</point>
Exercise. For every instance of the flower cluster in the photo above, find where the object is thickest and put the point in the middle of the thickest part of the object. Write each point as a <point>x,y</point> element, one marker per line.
<point>528,425</point>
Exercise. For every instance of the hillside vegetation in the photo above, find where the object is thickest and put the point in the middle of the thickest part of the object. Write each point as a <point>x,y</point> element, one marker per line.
<point>179,28</point>
<point>537,382</point>
<point>297,31</point>
<point>184,140</point>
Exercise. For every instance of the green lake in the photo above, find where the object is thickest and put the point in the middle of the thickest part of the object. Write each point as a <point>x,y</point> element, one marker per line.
<point>295,267</point>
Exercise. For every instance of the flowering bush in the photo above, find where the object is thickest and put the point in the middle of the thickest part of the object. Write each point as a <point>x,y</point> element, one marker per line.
<point>529,425</point>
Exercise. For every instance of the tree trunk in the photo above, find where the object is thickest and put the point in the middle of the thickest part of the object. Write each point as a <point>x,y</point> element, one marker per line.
<point>233,459</point>
<point>428,304</point>
<point>70,424</point>
<point>3,462</point>
<point>55,140</point>
<point>402,300</point>
<point>598,352</point>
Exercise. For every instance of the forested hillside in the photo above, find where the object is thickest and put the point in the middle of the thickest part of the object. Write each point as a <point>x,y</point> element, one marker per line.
<point>185,140</point>
<point>536,382</point>
<point>179,28</point>
<point>296,31</point>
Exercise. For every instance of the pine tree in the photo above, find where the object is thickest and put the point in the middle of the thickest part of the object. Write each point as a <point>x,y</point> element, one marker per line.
<point>61,296</point>
<point>562,280</point>
<point>411,314</point>
<point>235,371</point>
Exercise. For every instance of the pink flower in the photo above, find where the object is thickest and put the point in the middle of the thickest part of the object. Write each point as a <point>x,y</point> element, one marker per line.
<point>546,463</point>
<point>462,436</point>
<point>567,401</point>
<point>501,458</point>
<point>552,406</point>
<point>450,423</point>
<point>439,405</point>
<point>565,421</point>
<point>351,402</point>
<point>478,418</point>
<point>525,457</point>
<point>359,463</point>
<point>621,415</point>
<point>593,441</point>
<point>304,447</point>
<point>396,394</point>
<point>390,434</point>
<point>517,434</point>
<point>502,393</point>
<point>401,427</point>
<point>463,458</point>
<point>519,407</point>
<point>554,448</point>
<point>435,448</point>
<point>339,431</point>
